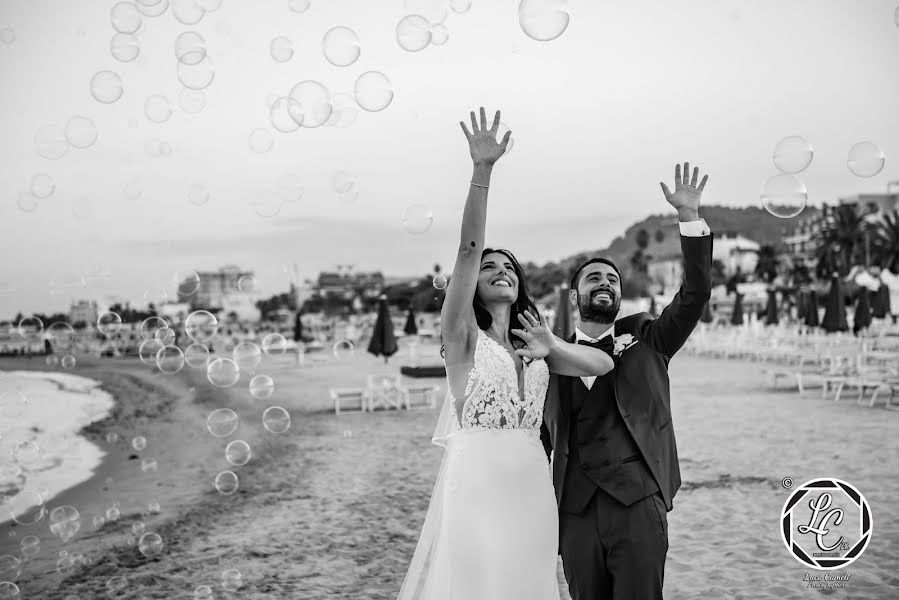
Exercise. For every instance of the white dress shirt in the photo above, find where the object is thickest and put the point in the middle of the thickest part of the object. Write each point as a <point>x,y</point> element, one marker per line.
<point>687,229</point>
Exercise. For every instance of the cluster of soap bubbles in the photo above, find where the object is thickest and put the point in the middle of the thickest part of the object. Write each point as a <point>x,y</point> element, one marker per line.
<point>785,195</point>
<point>65,521</point>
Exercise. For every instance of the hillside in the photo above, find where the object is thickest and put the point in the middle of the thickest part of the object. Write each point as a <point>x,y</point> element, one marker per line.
<point>754,223</point>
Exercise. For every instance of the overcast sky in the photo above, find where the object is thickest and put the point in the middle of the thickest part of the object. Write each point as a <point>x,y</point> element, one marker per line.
<point>599,116</point>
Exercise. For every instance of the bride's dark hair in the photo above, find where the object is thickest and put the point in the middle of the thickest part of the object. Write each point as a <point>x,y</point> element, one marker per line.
<point>522,303</point>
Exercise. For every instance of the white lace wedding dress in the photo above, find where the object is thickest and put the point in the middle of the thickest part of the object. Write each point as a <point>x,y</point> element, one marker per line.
<point>491,531</point>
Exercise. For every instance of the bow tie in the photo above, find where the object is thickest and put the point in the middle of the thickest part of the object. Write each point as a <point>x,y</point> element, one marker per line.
<point>606,344</point>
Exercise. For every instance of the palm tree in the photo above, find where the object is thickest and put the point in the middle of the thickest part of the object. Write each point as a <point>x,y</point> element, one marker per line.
<point>840,240</point>
<point>885,243</point>
<point>766,267</point>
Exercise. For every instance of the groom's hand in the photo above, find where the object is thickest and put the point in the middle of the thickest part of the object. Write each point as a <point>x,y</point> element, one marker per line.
<point>686,194</point>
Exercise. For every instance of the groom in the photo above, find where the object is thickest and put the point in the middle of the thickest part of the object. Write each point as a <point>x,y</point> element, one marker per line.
<point>614,465</point>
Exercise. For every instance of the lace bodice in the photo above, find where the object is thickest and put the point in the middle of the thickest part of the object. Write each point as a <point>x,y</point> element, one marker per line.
<point>492,391</point>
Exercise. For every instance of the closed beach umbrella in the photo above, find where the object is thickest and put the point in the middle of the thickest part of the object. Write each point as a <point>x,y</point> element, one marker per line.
<point>737,317</point>
<point>801,305</point>
<point>655,311</point>
<point>298,328</point>
<point>564,325</point>
<point>811,309</point>
<point>862,312</point>
<point>707,316</point>
<point>771,308</point>
<point>411,328</point>
<point>887,301</point>
<point>834,308</point>
<point>383,340</point>
<point>880,300</point>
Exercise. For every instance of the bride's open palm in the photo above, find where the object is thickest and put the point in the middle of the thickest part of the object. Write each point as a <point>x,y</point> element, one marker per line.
<point>482,143</point>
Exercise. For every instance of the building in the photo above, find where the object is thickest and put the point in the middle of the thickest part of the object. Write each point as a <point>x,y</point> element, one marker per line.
<point>214,287</point>
<point>736,251</point>
<point>83,311</point>
<point>347,284</point>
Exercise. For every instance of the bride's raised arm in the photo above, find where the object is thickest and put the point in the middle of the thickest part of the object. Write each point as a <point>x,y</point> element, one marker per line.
<point>458,324</point>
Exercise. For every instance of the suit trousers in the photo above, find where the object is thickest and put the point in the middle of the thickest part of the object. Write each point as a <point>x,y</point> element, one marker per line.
<point>615,552</point>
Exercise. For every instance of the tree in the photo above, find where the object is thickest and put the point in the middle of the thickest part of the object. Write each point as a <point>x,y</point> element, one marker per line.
<point>659,236</point>
<point>719,273</point>
<point>766,267</point>
<point>839,240</point>
<point>642,239</point>
<point>885,242</point>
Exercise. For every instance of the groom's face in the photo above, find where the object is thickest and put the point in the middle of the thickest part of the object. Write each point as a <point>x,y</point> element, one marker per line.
<point>598,293</point>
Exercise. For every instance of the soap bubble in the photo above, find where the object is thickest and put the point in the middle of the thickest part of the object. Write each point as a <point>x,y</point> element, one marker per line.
<point>106,87</point>
<point>784,196</point>
<point>26,508</point>
<point>344,111</point>
<point>341,46</point>
<point>237,453</point>
<point>50,142</point>
<point>190,48</point>
<point>124,47</point>
<point>543,20</point>
<point>197,356</point>
<point>460,6</point>
<point>42,186</point>
<point>157,108</point>
<point>439,282</point>
<point>267,203</point>
<point>81,132</point>
<point>792,154</point>
<point>109,323</point>
<point>26,202</point>
<point>65,521</point>
<point>222,422</point>
<point>344,349</point>
<point>262,387</point>
<point>68,362</point>
<point>281,49</point>
<point>9,590</point>
<point>226,483</point>
<point>274,344</point>
<point>500,134</point>
<point>413,33</point>
<point>26,452</point>
<point>298,6</point>
<point>246,284</point>
<point>170,360</point>
<point>231,580</point>
<point>125,17</point>
<point>61,336</point>
<point>286,115</point>
<point>150,545</point>
<point>187,12</point>
<point>261,141</point>
<point>439,34</point>
<point>373,91</point>
<point>865,159</point>
<point>417,218</point>
<point>315,99</point>
<point>149,465</point>
<point>10,568</point>
<point>191,101</point>
<point>148,351</point>
<point>150,326</point>
<point>152,8</point>
<point>223,372</point>
<point>201,326</point>
<point>247,355</point>
<point>275,419</point>
<point>139,443</point>
<point>196,76</point>
<point>165,335</point>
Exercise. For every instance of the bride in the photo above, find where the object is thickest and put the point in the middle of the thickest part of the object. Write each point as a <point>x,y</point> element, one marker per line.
<point>491,530</point>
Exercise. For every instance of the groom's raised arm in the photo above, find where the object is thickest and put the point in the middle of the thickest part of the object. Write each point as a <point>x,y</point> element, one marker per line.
<point>670,331</point>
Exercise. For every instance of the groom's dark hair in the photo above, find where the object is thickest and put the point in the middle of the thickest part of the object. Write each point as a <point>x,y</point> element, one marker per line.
<point>596,259</point>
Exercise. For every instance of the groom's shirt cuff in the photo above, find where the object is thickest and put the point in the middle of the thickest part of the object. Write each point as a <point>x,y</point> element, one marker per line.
<point>694,228</point>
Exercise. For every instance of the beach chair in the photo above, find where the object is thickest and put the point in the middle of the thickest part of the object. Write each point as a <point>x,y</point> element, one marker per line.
<point>426,393</point>
<point>383,393</point>
<point>357,396</point>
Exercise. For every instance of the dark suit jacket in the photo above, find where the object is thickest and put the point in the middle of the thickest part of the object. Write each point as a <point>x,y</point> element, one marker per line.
<point>641,377</point>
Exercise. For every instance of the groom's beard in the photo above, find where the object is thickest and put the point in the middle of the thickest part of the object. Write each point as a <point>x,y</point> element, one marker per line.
<point>604,313</point>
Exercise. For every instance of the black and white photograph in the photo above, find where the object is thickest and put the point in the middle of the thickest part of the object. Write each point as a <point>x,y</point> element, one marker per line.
<point>449,300</point>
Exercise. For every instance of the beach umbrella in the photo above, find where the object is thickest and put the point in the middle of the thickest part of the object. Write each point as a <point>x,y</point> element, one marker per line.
<point>834,308</point>
<point>564,325</point>
<point>707,316</point>
<point>879,302</point>
<point>811,309</point>
<point>862,312</point>
<point>737,317</point>
<point>383,340</point>
<point>654,311</point>
<point>298,328</point>
<point>411,328</point>
<point>801,305</point>
<point>771,308</point>
<point>885,300</point>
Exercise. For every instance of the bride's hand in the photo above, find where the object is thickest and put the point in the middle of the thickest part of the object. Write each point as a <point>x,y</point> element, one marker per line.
<point>482,142</point>
<point>537,336</point>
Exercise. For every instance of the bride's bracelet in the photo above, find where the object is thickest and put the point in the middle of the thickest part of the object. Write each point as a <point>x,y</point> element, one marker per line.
<point>479,185</point>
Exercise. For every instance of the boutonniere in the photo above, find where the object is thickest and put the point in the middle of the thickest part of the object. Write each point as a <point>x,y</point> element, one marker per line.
<point>622,343</point>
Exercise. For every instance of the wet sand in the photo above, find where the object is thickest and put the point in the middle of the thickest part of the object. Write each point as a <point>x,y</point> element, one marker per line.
<point>333,507</point>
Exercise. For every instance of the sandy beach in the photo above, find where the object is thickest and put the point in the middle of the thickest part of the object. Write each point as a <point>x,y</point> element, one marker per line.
<point>332,508</point>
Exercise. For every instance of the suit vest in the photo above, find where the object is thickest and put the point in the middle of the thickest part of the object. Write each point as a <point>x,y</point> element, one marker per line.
<point>602,452</point>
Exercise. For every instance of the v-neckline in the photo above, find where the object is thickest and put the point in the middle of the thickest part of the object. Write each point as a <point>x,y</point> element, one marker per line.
<point>519,380</point>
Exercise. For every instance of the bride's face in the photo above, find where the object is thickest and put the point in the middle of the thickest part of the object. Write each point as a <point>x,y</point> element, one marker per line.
<point>497,281</point>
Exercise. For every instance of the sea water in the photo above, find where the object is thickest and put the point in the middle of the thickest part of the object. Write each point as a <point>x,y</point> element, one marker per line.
<point>41,414</point>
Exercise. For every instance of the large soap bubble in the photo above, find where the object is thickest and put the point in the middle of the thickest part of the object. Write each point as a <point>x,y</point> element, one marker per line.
<point>865,159</point>
<point>106,87</point>
<point>341,46</point>
<point>784,196</point>
<point>792,154</point>
<point>373,91</point>
<point>315,100</point>
<point>543,20</point>
<point>413,33</point>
